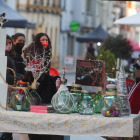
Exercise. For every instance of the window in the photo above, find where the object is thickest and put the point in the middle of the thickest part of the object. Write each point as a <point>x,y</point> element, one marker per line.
<point>55,49</point>
<point>136,37</point>
<point>88,6</point>
<point>46,30</point>
<point>51,34</point>
<point>70,45</point>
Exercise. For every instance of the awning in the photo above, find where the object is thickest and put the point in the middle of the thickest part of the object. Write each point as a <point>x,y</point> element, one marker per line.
<point>130,20</point>
<point>14,18</point>
<point>97,35</point>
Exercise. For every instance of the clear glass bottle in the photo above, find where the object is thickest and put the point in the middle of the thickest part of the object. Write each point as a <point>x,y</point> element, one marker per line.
<point>63,102</point>
<point>97,100</point>
<point>111,103</point>
<point>86,106</point>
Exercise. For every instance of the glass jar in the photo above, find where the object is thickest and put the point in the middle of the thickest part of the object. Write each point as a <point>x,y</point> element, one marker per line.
<point>111,103</point>
<point>77,96</point>
<point>77,87</point>
<point>21,99</point>
<point>86,106</point>
<point>97,100</point>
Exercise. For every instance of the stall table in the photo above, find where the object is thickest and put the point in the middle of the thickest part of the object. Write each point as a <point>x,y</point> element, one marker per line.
<point>69,124</point>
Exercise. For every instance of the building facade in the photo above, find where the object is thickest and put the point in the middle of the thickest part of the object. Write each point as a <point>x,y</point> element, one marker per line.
<point>46,14</point>
<point>89,14</point>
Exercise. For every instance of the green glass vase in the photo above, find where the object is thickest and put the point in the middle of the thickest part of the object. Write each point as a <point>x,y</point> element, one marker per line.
<point>77,96</point>
<point>97,101</point>
<point>86,106</point>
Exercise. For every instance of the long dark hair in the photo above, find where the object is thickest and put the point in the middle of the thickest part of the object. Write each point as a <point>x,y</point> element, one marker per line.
<point>37,46</point>
<point>12,52</point>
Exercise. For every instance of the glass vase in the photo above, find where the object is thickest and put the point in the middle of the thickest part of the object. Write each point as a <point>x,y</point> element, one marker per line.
<point>63,102</point>
<point>97,101</point>
<point>77,96</point>
<point>21,102</point>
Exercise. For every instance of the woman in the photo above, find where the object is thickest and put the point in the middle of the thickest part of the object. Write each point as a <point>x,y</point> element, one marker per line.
<point>10,53</point>
<point>19,42</point>
<point>47,87</point>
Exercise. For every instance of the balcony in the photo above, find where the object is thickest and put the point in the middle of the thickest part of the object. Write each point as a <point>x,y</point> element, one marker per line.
<point>42,5</point>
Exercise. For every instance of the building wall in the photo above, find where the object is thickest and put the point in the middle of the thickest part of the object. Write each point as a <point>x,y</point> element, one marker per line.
<point>47,18</point>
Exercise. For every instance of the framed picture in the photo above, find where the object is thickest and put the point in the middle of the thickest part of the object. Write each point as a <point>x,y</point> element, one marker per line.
<point>89,73</point>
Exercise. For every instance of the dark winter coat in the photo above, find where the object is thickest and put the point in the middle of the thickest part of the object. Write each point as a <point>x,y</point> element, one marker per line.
<point>46,89</point>
<point>10,75</point>
<point>90,53</point>
<point>20,67</point>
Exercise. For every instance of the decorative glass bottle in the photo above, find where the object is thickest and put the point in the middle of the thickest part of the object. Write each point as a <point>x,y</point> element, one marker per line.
<point>97,100</point>
<point>85,106</point>
<point>21,99</point>
<point>63,101</point>
<point>111,103</point>
<point>36,98</point>
<point>76,92</point>
<point>122,91</point>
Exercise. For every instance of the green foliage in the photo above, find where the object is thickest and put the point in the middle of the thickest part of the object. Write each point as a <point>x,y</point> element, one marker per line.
<point>119,46</point>
<point>110,60</point>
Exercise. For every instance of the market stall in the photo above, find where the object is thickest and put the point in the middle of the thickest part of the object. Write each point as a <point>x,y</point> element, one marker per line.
<point>74,112</point>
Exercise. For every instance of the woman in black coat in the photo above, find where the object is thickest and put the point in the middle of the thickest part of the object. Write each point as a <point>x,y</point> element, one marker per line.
<point>19,42</point>
<point>47,87</point>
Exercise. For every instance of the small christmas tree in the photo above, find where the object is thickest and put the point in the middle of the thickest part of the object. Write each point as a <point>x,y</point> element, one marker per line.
<point>109,59</point>
<point>122,92</point>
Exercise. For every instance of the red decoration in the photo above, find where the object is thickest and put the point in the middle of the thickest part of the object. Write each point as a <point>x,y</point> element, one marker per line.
<point>92,84</point>
<point>102,71</point>
<point>45,44</point>
<point>112,71</point>
<point>21,83</point>
<point>36,63</point>
<point>20,91</point>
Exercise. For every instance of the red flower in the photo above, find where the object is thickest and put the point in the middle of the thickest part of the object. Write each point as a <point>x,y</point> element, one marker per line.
<point>36,63</point>
<point>20,91</point>
<point>45,44</point>
<point>92,84</point>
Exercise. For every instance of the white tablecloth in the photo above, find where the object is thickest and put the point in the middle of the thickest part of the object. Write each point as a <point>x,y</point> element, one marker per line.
<point>68,124</point>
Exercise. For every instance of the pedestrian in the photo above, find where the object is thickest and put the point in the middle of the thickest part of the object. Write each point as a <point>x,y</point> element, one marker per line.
<point>19,42</point>
<point>134,96</point>
<point>47,87</point>
<point>90,52</point>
